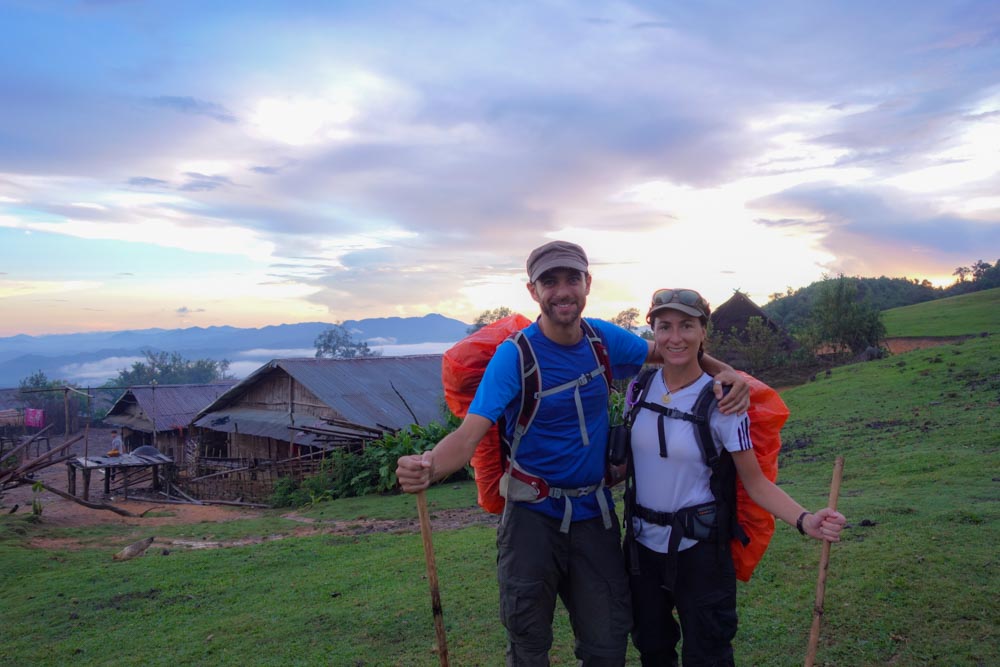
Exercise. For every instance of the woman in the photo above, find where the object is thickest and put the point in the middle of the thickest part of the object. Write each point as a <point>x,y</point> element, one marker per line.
<point>676,544</point>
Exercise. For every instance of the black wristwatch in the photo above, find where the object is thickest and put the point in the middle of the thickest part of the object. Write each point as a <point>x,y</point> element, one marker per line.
<point>798,523</point>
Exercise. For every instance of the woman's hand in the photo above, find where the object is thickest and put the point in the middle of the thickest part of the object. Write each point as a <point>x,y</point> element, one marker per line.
<point>825,524</point>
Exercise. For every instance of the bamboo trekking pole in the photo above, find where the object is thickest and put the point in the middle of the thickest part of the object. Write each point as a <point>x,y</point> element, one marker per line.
<point>432,578</point>
<point>824,562</point>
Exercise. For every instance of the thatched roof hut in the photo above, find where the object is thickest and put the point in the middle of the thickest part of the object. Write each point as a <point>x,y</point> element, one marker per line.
<point>731,319</point>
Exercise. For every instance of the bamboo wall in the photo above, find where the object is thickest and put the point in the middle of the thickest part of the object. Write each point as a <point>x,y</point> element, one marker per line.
<point>255,484</point>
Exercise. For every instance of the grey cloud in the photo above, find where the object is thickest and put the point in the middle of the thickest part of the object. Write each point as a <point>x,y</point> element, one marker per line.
<point>377,278</point>
<point>292,226</point>
<point>869,223</point>
<point>147,182</point>
<point>51,127</point>
<point>192,105</point>
<point>203,182</point>
<point>75,212</point>
<point>509,146</point>
<point>184,310</point>
<point>651,25</point>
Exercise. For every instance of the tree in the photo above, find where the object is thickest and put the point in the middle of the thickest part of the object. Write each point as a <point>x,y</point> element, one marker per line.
<point>627,319</point>
<point>172,368</point>
<point>979,269</point>
<point>32,389</point>
<point>489,317</point>
<point>843,320</point>
<point>761,346</point>
<point>337,343</point>
<point>961,272</point>
<point>53,398</point>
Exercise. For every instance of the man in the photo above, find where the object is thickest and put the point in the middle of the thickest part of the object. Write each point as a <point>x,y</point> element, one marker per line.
<point>564,542</point>
<point>116,441</point>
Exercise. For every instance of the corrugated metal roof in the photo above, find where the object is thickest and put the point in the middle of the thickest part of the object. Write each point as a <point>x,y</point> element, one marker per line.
<point>121,461</point>
<point>169,406</point>
<point>382,392</point>
<point>263,423</point>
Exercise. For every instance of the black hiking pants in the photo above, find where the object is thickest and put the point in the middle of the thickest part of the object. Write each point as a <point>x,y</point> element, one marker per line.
<point>704,596</point>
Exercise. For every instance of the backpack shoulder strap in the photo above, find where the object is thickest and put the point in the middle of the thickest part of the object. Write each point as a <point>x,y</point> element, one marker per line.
<point>531,381</point>
<point>723,480</point>
<point>635,395</point>
<point>642,383</point>
<point>703,406</point>
<point>599,349</point>
<point>531,386</point>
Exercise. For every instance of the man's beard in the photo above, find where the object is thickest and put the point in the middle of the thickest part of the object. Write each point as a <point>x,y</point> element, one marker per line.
<point>561,316</point>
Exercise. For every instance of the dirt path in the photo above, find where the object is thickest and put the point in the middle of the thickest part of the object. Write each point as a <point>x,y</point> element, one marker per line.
<point>57,511</point>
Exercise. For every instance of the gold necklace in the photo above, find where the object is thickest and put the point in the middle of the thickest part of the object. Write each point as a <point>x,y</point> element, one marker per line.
<point>667,396</point>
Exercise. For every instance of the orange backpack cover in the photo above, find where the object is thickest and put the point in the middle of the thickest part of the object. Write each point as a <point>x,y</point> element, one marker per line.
<point>462,368</point>
<point>768,414</point>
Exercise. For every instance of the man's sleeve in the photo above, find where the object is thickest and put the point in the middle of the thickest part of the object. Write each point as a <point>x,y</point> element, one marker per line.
<point>627,350</point>
<point>500,385</point>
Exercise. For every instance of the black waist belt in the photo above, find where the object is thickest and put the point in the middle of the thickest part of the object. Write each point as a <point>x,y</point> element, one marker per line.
<point>697,522</point>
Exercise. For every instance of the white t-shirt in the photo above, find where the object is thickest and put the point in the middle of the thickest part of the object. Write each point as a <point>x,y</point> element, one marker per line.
<point>682,479</point>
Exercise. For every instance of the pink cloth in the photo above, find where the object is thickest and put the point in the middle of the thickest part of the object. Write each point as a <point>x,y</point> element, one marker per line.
<point>34,417</point>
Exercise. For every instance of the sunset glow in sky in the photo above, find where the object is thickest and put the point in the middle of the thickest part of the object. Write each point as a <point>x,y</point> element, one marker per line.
<point>176,164</point>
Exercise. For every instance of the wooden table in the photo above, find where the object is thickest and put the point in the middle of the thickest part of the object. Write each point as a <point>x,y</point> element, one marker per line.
<point>122,463</point>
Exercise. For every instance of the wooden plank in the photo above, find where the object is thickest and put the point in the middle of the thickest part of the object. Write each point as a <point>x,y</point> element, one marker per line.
<point>93,506</point>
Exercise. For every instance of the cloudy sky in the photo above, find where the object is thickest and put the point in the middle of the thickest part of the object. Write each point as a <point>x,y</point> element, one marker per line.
<point>174,164</point>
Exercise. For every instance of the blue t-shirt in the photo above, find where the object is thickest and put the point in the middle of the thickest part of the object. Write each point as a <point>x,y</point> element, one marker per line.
<point>553,446</point>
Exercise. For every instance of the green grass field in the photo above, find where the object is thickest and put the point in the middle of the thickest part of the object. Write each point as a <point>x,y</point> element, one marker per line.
<point>914,581</point>
<point>968,314</point>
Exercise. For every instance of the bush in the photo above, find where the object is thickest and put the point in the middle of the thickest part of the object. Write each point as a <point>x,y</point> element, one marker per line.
<point>288,494</point>
<point>373,470</point>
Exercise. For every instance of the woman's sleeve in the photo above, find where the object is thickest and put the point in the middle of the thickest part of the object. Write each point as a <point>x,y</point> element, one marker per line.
<point>732,431</point>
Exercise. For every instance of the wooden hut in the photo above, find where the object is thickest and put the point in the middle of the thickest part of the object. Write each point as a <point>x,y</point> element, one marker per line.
<point>294,409</point>
<point>161,415</point>
<point>731,319</point>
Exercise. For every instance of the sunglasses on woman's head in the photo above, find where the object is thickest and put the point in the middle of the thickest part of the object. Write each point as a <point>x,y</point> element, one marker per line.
<point>687,297</point>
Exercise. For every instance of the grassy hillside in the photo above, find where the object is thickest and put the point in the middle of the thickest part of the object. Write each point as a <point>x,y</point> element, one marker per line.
<point>954,316</point>
<point>914,581</point>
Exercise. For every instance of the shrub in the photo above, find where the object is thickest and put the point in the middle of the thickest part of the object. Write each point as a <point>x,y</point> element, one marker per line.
<point>373,470</point>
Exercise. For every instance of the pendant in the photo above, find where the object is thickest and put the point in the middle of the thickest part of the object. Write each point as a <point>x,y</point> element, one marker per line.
<point>666,398</point>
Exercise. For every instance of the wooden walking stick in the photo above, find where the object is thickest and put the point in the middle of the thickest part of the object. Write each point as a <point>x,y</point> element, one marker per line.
<point>432,577</point>
<point>824,562</point>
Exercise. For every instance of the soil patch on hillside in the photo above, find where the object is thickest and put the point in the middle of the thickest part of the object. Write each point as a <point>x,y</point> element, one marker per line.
<point>150,514</point>
<point>901,345</point>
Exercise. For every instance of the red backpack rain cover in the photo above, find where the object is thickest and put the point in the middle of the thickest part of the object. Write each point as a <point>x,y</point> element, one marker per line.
<point>767,415</point>
<point>462,368</point>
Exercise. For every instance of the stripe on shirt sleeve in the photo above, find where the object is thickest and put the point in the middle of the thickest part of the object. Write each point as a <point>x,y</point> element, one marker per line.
<point>744,434</point>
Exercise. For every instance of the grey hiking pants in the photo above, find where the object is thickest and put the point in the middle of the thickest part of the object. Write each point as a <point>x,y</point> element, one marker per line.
<point>584,568</point>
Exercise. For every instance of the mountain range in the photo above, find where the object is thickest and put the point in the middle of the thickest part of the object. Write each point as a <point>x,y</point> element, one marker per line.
<point>92,358</point>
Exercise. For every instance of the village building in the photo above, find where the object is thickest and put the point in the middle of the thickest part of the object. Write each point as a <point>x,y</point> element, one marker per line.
<point>292,411</point>
<point>734,341</point>
<point>732,317</point>
<point>160,416</point>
